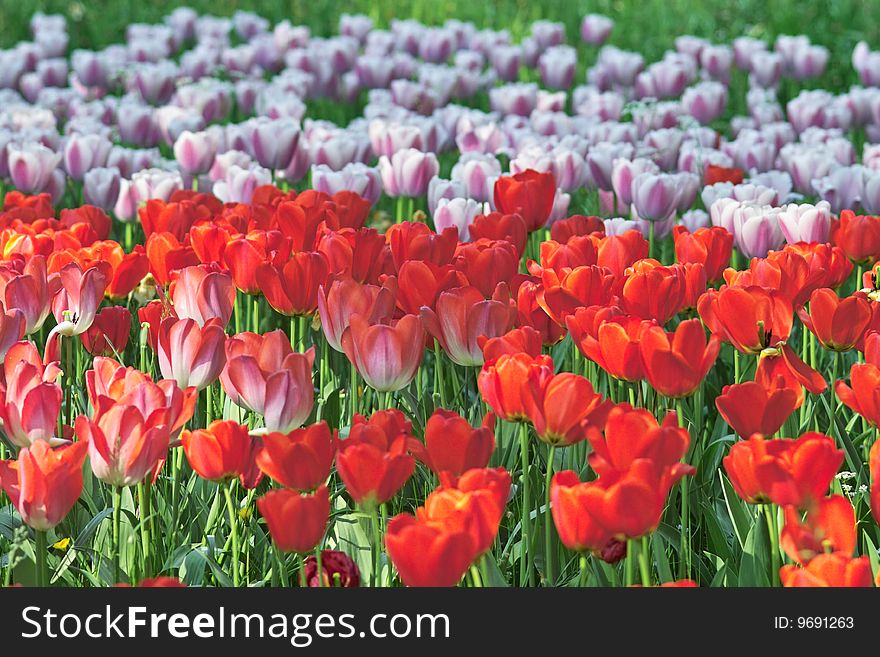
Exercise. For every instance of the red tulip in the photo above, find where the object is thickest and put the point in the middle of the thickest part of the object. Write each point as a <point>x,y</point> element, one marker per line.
<point>201,294</point>
<point>864,395</point>
<point>387,356</point>
<point>750,318</point>
<point>189,354</point>
<point>565,292</point>
<point>222,451</point>
<point>341,298</point>
<point>830,261</point>
<point>578,251</point>
<point>454,446</point>
<point>711,247</point>
<point>426,554</point>
<point>619,252</point>
<point>633,434</point>
<point>375,461</point>
<point>563,406</point>
<point>652,291</point>
<point>462,315</point>
<point>530,313</point>
<point>571,505</point>
<point>578,224</point>
<point>337,570</point>
<point>874,467</point>
<point>497,226</point>
<point>525,339</point>
<point>413,240</point>
<point>751,408</point>
<point>245,254</point>
<point>676,363</point>
<point>829,526</point>
<point>616,346</point>
<point>837,324</point>
<point>263,374</point>
<point>486,263</point>
<point>126,269</point>
<point>503,383</point>
<point>108,334</point>
<point>835,569</point>
<point>177,218</point>
<point>716,174</point>
<point>529,194</point>
<point>296,521</point>
<point>31,397</point>
<point>420,283</point>
<point>292,288</point>
<point>300,459</point>
<point>858,236</point>
<point>168,255</point>
<point>786,272</point>
<point>44,483</point>
<point>782,363</point>
<point>783,471</point>
<point>361,254</point>
<point>209,241</point>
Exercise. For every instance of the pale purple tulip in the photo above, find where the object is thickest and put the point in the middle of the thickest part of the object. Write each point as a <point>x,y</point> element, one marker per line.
<point>272,142</point>
<point>557,66</point>
<point>239,184</point>
<point>548,34</point>
<point>712,193</point>
<point>408,172</point>
<point>415,96</point>
<point>806,163</point>
<point>195,152</point>
<point>561,201</point>
<point>842,188</point>
<point>595,29</point>
<point>355,177</point>
<point>688,185</point>
<point>705,101</point>
<point>716,62</point>
<point>605,106</point>
<point>620,225</point>
<point>457,212</point>
<point>31,166</point>
<point>806,222</point>
<point>388,137</point>
<point>622,174</point>
<point>749,192</point>
<point>870,194</point>
<point>374,71</point>
<point>695,219</point>
<point>777,181</point>
<point>654,195</point>
<point>600,162</point>
<point>809,62</point>
<point>756,230</point>
<point>137,125</point>
<point>516,98</point>
<point>438,189</point>
<point>155,83</point>
<point>506,62</point>
<point>154,184</point>
<point>474,170</point>
<point>484,138</point>
<point>622,65</point>
<point>664,146</point>
<point>84,152</point>
<point>765,68</point>
<point>357,26</point>
<point>101,187</point>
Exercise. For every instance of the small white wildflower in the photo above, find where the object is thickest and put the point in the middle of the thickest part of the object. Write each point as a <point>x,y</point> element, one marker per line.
<point>843,476</point>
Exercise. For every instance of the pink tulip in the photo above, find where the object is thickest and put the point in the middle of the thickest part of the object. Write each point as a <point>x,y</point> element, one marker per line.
<point>557,66</point>
<point>705,101</point>
<point>28,290</point>
<point>474,171</point>
<point>31,400</point>
<point>387,356</point>
<point>101,187</point>
<point>264,375</point>
<point>654,196</point>
<point>756,230</point>
<point>514,98</point>
<point>79,295</point>
<point>355,177</point>
<point>622,174</point>
<point>83,153</point>
<point>189,354</point>
<point>239,184</point>
<point>203,294</point>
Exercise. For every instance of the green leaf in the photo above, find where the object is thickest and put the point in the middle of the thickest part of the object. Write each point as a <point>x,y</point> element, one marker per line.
<point>735,510</point>
<point>753,568</point>
<point>494,577</point>
<point>661,559</point>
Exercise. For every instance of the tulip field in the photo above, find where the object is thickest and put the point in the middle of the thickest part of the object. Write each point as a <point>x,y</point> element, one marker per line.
<point>512,297</point>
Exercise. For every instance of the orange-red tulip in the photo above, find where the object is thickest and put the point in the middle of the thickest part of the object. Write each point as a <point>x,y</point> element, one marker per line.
<point>300,459</point>
<point>486,263</point>
<point>564,292</point>
<point>296,521</point>
<point>829,526</point>
<point>837,323</point>
<point>864,395</point>
<point>571,505</point>
<point>795,472</point>
<point>835,569</point>
<point>563,406</point>
<point>341,298</point>
<point>619,252</point>
<point>711,247</point>
<point>616,346</point>
<point>454,446</point>
<point>782,363</point>
<point>497,226</point>
<point>413,240</point>
<point>44,483</point>
<point>168,255</point>
<point>751,408</point>
<point>291,288</point>
<point>108,334</point>
<point>564,229</point>
<point>27,289</point>
<point>858,236</point>
<point>530,313</point>
<point>221,451</point>
<point>676,363</point>
<point>503,383</point>
<point>427,554</point>
<point>750,318</point>
<point>525,339</point>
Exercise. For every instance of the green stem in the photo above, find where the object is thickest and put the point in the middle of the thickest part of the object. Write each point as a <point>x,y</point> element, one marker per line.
<point>377,543</point>
<point>582,579</point>
<point>353,395</point>
<point>438,365</point>
<point>233,528</point>
<point>320,563</point>
<point>41,552</point>
<point>629,566</point>
<point>475,575</point>
<point>399,214</point>
<point>644,567</point>
<point>526,570</point>
<point>548,521</point>
<point>144,507</point>
<point>773,536</point>
<point>117,508</point>
<point>650,239</point>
